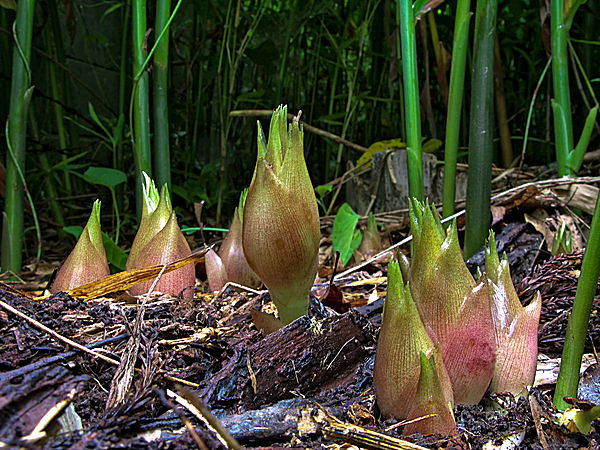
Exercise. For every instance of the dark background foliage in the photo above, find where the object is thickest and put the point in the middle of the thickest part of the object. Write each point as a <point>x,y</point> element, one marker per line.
<point>337,61</point>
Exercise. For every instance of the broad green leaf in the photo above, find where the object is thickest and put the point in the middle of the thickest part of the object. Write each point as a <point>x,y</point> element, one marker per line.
<point>380,146</point>
<point>323,189</point>
<point>344,237</point>
<point>104,176</point>
<point>114,254</point>
<point>417,7</point>
<point>571,7</point>
<point>74,230</point>
<point>9,4</point>
<point>432,145</point>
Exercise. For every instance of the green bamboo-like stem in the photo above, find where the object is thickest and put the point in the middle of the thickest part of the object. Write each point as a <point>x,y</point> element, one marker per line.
<point>16,133</point>
<point>455,99</point>
<point>405,20</point>
<point>160,104</point>
<point>481,128</point>
<point>48,177</point>
<point>69,134</point>
<point>561,107</point>
<point>502,116</point>
<point>141,112</point>
<point>568,377</point>
<point>123,84</point>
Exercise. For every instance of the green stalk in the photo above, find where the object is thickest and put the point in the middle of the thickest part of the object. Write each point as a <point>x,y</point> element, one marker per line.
<point>16,133</point>
<point>49,181</point>
<point>481,128</point>
<point>405,20</point>
<point>502,117</point>
<point>568,377</point>
<point>67,135</point>
<point>561,104</point>
<point>117,163</point>
<point>162,158</point>
<point>455,99</point>
<point>141,113</point>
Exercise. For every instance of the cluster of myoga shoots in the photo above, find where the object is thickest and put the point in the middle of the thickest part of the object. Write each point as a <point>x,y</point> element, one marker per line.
<point>273,239</point>
<point>446,338</point>
<point>159,240</point>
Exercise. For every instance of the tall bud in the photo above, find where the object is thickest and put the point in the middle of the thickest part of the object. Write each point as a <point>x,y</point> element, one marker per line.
<point>402,336</point>
<point>87,261</point>
<point>452,305</point>
<point>516,327</point>
<point>159,240</point>
<point>281,220</point>
<point>232,251</point>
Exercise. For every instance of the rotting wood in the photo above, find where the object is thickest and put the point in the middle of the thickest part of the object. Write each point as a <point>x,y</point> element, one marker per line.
<point>307,356</point>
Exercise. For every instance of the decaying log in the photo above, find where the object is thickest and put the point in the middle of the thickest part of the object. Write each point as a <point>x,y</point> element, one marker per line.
<point>26,399</point>
<point>307,356</point>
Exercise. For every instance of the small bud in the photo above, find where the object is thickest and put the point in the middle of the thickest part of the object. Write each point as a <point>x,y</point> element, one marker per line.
<point>402,336</point>
<point>87,261</point>
<point>232,251</point>
<point>215,271</point>
<point>159,240</point>
<point>281,220</point>
<point>156,212</point>
<point>516,327</point>
<point>371,241</point>
<point>430,400</point>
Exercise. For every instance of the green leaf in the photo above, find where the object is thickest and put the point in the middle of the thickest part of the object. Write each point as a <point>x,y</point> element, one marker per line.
<point>379,146</point>
<point>96,119</point>
<point>572,8</point>
<point>344,237</point>
<point>74,230</point>
<point>9,4</point>
<point>418,6</point>
<point>576,156</point>
<point>114,254</point>
<point>104,176</point>
<point>323,189</point>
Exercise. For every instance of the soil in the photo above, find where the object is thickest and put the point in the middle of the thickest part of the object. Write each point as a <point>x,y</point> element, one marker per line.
<point>202,367</point>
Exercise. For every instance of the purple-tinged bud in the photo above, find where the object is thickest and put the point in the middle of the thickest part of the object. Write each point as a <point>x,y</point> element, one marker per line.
<point>215,271</point>
<point>159,240</point>
<point>454,308</point>
<point>370,244</point>
<point>232,251</point>
<point>402,336</point>
<point>87,261</point>
<point>516,327</point>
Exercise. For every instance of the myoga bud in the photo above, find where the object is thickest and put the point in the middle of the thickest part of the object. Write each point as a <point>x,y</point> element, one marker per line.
<point>454,308</point>
<point>87,261</point>
<point>281,220</point>
<point>397,365</point>
<point>159,240</point>
<point>516,327</point>
<point>430,404</point>
<point>232,251</point>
